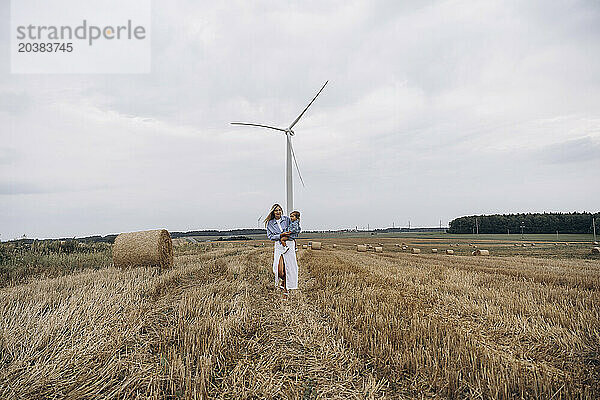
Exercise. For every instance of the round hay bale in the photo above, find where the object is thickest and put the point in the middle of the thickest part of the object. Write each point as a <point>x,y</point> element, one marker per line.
<point>304,246</point>
<point>517,244</point>
<point>404,247</point>
<point>480,252</point>
<point>596,250</point>
<point>378,249</point>
<point>415,250</point>
<point>335,246</point>
<point>361,248</point>
<point>595,243</point>
<point>397,244</point>
<point>449,251</point>
<point>146,248</point>
<point>434,251</point>
<point>316,245</point>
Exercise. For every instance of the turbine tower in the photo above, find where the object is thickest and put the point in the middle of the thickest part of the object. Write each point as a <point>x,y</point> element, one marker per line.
<point>289,185</point>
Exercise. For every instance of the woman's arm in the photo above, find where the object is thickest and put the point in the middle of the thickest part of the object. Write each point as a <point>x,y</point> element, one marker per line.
<point>271,234</point>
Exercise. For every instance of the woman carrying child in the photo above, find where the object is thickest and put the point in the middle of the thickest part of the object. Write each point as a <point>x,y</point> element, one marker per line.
<point>285,266</point>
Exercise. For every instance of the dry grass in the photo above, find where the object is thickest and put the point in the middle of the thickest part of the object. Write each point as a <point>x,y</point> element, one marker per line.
<point>364,325</point>
<point>49,259</point>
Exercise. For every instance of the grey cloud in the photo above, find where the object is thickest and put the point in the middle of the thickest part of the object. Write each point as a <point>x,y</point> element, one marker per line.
<point>15,103</point>
<point>572,151</point>
<point>15,188</point>
<point>7,155</point>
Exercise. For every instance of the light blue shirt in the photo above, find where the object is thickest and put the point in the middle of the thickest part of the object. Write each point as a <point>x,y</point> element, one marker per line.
<point>273,231</point>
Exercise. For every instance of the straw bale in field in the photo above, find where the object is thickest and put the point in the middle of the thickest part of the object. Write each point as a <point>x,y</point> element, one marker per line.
<point>596,250</point>
<point>304,246</point>
<point>378,249</point>
<point>335,246</point>
<point>434,250</point>
<point>595,243</point>
<point>397,244</point>
<point>316,245</point>
<point>517,244</point>
<point>480,252</point>
<point>361,248</point>
<point>415,250</point>
<point>146,248</point>
<point>533,244</point>
<point>404,247</point>
<point>449,251</point>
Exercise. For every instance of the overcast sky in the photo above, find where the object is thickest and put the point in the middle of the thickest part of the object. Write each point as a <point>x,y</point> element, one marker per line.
<point>433,110</point>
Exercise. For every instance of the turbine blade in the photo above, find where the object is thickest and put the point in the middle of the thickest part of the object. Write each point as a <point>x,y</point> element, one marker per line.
<point>262,126</point>
<point>302,113</point>
<point>296,163</point>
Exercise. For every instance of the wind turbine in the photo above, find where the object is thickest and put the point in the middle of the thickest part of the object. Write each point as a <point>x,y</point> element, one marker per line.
<point>290,152</point>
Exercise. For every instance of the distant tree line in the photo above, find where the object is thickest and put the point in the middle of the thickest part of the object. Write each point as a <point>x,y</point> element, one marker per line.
<point>532,223</point>
<point>232,232</point>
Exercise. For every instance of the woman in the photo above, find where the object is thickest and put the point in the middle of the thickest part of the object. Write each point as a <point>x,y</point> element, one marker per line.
<point>285,266</point>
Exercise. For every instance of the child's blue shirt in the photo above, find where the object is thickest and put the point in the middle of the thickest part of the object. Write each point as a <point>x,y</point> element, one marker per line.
<point>294,229</point>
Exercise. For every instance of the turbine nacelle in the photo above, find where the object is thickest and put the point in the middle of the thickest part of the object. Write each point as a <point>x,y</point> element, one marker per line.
<point>289,132</point>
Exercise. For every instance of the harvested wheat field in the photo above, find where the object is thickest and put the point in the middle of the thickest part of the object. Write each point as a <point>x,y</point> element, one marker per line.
<point>363,325</point>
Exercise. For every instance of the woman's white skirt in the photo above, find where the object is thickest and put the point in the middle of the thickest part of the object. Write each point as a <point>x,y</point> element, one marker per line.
<point>289,259</point>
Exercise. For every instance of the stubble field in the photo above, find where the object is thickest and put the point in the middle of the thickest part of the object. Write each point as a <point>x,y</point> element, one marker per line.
<point>522,323</point>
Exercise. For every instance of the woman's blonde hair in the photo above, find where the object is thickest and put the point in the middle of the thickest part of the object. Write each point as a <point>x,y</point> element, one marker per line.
<point>272,213</point>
